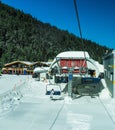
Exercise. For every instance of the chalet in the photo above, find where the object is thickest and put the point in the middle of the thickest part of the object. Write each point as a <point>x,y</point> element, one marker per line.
<point>21,67</point>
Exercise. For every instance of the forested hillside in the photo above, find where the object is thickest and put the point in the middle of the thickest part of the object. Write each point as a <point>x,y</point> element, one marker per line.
<point>23,37</point>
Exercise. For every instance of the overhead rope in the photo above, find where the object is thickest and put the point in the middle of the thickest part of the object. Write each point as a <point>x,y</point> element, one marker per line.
<point>77,15</point>
<point>112,119</point>
<point>57,115</point>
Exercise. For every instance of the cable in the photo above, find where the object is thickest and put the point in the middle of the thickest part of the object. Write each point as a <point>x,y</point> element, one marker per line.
<point>57,116</point>
<point>106,110</point>
<point>76,9</point>
<point>77,15</point>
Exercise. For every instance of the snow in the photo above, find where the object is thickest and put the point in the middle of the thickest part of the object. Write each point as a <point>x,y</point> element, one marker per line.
<point>73,54</point>
<point>8,82</point>
<point>70,55</point>
<point>41,69</point>
<point>28,63</point>
<point>26,107</point>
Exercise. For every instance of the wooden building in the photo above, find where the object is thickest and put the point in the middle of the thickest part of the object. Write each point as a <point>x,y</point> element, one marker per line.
<point>21,67</point>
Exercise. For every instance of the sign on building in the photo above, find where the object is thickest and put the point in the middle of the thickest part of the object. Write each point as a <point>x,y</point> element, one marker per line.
<point>109,71</point>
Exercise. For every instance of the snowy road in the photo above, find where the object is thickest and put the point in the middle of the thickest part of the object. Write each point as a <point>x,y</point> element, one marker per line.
<point>37,112</point>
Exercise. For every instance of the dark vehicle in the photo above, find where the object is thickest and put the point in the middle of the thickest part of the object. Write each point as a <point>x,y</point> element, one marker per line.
<point>36,75</point>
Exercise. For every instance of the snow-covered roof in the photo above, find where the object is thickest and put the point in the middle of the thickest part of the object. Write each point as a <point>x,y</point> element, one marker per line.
<point>41,69</point>
<point>28,63</point>
<point>73,54</point>
<point>22,62</point>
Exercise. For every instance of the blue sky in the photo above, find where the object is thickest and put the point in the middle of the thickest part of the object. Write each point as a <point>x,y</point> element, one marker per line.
<point>97,17</point>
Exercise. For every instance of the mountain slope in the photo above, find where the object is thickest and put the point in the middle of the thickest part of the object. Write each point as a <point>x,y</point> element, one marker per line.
<point>23,37</point>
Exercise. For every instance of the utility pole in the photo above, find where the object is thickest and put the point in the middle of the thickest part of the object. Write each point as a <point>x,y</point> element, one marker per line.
<point>70,77</point>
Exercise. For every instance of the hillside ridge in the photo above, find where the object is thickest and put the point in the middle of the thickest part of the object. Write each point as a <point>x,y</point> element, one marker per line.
<point>23,37</point>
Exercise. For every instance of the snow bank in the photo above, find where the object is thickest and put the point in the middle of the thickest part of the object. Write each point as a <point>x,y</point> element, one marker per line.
<point>105,92</point>
<point>10,92</point>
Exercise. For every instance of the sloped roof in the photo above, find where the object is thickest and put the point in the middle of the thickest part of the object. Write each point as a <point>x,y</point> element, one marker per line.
<point>17,62</point>
<point>27,63</point>
<point>73,54</point>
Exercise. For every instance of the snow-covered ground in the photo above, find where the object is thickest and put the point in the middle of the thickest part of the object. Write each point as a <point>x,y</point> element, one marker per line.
<point>8,82</point>
<point>24,106</point>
